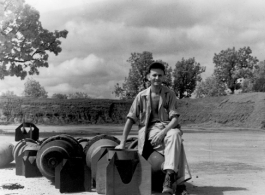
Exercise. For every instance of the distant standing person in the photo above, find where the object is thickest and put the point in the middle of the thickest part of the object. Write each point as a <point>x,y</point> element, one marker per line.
<point>155,110</point>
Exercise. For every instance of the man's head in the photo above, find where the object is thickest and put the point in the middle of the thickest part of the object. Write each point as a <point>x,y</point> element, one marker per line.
<point>156,65</point>
<point>156,73</point>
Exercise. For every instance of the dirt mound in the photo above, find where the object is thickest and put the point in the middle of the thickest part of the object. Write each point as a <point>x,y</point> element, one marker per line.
<point>240,110</point>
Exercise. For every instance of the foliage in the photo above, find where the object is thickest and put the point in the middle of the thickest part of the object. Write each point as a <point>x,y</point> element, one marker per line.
<point>231,65</point>
<point>247,86</point>
<point>34,89</point>
<point>136,80</point>
<point>24,43</point>
<point>168,80</point>
<point>59,96</point>
<point>259,77</point>
<point>210,88</point>
<point>186,75</point>
<point>78,95</point>
<point>9,94</point>
<point>259,85</point>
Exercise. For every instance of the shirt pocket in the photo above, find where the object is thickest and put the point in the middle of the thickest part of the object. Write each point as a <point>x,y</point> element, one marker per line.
<point>165,114</point>
<point>142,117</point>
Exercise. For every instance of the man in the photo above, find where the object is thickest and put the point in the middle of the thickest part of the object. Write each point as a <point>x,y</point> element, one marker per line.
<point>155,109</point>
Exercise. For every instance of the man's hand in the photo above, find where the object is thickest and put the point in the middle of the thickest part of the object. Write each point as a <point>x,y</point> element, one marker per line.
<point>158,138</point>
<point>120,146</point>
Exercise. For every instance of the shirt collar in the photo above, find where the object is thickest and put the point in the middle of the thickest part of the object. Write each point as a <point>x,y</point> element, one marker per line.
<point>148,91</point>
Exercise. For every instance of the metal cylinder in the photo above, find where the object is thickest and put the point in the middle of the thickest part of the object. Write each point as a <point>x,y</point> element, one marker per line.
<point>93,150</point>
<point>82,141</point>
<point>53,150</point>
<point>153,157</point>
<point>129,142</point>
<point>156,160</point>
<point>6,156</point>
<point>20,146</point>
<point>126,161</point>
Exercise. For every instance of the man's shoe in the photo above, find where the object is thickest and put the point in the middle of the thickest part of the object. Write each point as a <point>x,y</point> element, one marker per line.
<point>181,190</point>
<point>168,182</point>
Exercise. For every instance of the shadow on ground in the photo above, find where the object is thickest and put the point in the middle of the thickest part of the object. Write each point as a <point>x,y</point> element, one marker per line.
<point>211,190</point>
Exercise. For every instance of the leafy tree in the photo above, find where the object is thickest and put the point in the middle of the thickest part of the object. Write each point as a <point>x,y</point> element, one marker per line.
<point>259,85</point>
<point>59,96</point>
<point>78,95</point>
<point>9,94</point>
<point>247,86</point>
<point>136,80</point>
<point>24,43</point>
<point>186,75</point>
<point>231,65</point>
<point>210,88</point>
<point>34,89</point>
<point>258,81</point>
<point>168,80</point>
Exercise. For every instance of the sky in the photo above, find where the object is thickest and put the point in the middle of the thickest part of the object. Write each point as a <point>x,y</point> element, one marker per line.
<point>103,34</point>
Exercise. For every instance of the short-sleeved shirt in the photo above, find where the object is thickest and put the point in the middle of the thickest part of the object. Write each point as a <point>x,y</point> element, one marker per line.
<point>141,109</point>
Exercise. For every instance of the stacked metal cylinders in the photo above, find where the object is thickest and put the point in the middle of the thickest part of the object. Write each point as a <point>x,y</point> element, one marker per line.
<point>53,150</point>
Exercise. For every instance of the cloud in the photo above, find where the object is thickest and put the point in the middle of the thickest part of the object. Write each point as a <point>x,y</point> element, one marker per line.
<point>91,74</point>
<point>103,34</point>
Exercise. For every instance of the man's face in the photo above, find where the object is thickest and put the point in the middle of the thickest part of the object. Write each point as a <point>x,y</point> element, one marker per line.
<point>156,77</point>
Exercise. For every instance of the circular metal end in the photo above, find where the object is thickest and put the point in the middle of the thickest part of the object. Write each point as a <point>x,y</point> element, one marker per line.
<point>52,162</point>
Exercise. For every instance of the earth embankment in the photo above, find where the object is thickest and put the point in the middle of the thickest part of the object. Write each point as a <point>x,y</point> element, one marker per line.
<point>240,110</point>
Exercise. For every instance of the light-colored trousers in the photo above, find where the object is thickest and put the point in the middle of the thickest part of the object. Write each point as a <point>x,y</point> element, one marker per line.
<point>173,150</point>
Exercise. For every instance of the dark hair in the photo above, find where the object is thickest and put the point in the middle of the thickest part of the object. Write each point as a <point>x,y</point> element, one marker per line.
<point>156,65</point>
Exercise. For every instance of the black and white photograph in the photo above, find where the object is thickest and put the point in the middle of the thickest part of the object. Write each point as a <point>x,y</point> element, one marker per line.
<point>132,97</point>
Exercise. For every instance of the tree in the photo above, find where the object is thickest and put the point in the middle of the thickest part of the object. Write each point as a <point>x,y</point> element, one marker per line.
<point>34,89</point>
<point>24,43</point>
<point>258,81</point>
<point>136,80</point>
<point>231,65</point>
<point>259,85</point>
<point>78,95</point>
<point>247,86</point>
<point>186,75</point>
<point>9,94</point>
<point>210,88</point>
<point>168,80</point>
<point>59,96</point>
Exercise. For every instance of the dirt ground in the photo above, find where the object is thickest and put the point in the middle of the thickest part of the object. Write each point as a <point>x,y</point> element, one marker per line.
<point>223,161</point>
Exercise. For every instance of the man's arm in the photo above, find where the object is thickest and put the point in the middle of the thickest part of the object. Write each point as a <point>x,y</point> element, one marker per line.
<point>158,138</point>
<point>172,124</point>
<point>126,131</point>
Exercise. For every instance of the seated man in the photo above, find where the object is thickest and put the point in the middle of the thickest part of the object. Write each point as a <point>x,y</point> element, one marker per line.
<point>155,109</point>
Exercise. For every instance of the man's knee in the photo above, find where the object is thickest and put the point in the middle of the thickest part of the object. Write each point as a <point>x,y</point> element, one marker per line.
<point>174,133</point>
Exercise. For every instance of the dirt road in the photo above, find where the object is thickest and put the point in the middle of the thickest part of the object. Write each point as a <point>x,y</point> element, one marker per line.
<point>223,162</point>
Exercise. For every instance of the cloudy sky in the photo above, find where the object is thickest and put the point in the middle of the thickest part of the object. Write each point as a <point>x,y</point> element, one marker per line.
<point>103,34</point>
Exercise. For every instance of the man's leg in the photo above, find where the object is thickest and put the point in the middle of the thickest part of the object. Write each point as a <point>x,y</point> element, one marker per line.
<point>170,148</point>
